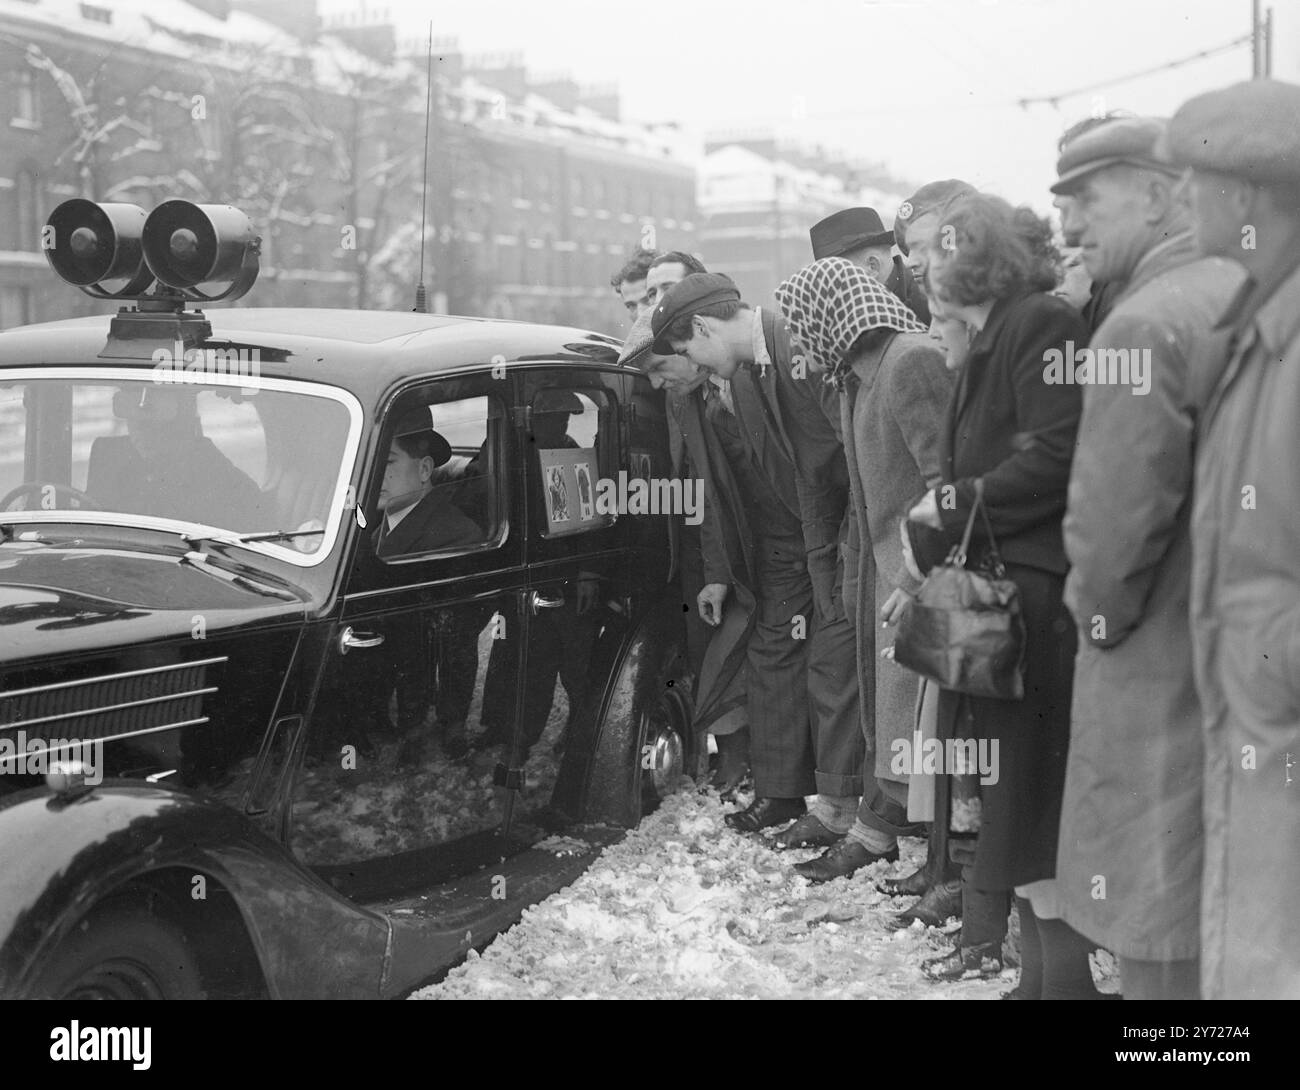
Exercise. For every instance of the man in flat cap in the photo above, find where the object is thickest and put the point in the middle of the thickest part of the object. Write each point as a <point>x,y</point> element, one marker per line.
<point>1100,296</point>
<point>1132,806</point>
<point>718,551</point>
<point>1241,146</point>
<point>858,235</point>
<point>773,418</point>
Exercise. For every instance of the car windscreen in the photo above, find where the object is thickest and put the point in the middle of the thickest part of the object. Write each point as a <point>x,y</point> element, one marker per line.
<point>264,460</point>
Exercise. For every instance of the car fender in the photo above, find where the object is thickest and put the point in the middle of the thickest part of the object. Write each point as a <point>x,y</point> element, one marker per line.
<point>62,856</point>
<point>650,661</point>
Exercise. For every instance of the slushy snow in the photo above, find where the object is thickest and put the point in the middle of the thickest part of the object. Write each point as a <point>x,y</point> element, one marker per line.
<point>684,907</point>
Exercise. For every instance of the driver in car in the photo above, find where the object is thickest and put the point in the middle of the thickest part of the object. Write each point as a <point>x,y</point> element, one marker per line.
<point>418,515</point>
<point>165,466</point>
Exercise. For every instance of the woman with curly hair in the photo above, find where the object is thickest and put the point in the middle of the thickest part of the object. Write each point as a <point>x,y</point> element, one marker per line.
<point>992,267</point>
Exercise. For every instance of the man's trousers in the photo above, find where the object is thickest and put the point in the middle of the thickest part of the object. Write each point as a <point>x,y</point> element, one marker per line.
<point>803,711</point>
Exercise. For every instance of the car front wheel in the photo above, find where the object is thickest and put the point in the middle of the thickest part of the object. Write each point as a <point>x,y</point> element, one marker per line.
<point>122,951</point>
<point>665,748</point>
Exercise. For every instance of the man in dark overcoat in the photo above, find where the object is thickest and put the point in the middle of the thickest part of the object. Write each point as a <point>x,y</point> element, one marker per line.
<point>782,436</point>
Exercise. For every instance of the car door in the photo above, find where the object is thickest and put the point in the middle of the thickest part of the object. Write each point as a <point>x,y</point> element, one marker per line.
<point>400,786</point>
<point>577,599</point>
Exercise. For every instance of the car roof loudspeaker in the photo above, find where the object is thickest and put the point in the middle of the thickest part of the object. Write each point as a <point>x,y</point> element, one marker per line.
<point>188,244</point>
<point>95,243</point>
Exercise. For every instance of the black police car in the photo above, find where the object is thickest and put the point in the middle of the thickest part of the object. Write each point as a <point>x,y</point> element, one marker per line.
<point>319,659</point>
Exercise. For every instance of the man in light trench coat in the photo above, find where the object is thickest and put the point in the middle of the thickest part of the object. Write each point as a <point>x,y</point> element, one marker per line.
<point>1129,856</point>
<point>1242,145</point>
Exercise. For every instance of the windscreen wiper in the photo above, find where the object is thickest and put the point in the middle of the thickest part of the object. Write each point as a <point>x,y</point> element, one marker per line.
<point>200,561</point>
<point>241,539</point>
<point>279,535</point>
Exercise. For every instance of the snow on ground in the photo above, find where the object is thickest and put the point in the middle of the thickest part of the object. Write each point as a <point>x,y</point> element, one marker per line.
<point>684,907</point>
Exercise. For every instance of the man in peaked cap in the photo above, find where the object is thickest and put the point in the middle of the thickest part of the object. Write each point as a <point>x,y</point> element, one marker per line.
<point>917,221</point>
<point>1132,804</point>
<point>1241,146</point>
<point>858,235</point>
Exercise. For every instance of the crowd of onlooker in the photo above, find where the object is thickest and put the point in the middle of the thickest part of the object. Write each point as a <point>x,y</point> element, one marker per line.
<point>1119,399</point>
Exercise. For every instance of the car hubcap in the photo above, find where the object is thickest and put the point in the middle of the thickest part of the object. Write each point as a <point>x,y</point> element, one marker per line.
<point>116,979</point>
<point>667,753</point>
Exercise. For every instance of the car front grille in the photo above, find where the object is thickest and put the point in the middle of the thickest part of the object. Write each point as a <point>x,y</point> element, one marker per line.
<point>111,706</point>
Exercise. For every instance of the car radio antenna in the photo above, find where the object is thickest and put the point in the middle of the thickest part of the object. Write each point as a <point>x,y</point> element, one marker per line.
<point>422,296</point>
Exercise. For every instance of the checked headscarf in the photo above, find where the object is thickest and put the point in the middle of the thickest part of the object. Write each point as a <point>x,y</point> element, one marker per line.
<point>829,304</point>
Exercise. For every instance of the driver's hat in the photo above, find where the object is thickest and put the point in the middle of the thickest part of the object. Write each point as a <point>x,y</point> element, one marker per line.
<point>418,423</point>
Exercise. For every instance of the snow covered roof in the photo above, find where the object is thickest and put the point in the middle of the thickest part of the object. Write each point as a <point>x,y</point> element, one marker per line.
<point>735,178</point>
<point>183,32</point>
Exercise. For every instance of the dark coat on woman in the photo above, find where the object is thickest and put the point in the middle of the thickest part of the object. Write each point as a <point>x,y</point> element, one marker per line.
<point>1011,427</point>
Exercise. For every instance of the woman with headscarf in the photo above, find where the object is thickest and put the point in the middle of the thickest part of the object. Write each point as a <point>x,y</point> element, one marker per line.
<point>992,267</point>
<point>894,391</point>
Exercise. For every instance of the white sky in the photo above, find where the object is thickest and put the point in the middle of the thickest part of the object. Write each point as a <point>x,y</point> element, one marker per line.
<point>927,86</point>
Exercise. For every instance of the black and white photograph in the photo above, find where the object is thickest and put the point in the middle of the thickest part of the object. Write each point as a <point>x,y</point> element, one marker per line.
<point>557,494</point>
<point>586,497</point>
<point>974,673</point>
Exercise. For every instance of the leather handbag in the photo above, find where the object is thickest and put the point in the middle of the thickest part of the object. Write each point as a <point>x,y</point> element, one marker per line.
<point>964,630</point>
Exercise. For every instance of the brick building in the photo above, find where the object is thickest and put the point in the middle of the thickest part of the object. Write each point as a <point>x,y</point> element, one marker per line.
<point>759,196</point>
<point>536,190</point>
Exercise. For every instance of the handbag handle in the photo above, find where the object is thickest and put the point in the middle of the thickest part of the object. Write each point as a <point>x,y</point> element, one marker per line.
<point>959,555</point>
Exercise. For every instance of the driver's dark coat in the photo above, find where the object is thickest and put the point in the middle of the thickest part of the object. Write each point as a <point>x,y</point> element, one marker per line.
<point>431,524</point>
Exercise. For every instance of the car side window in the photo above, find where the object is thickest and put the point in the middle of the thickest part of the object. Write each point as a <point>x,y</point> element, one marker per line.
<point>441,477</point>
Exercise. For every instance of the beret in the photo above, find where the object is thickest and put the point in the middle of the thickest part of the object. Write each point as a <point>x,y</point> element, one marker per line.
<point>930,196</point>
<point>689,296</point>
<point>1250,130</point>
<point>1135,141</point>
<point>636,349</point>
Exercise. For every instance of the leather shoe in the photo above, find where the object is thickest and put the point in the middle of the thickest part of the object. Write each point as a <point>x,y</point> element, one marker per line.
<point>983,960</point>
<point>914,885</point>
<point>807,832</point>
<point>940,901</point>
<point>842,860</point>
<point>764,812</point>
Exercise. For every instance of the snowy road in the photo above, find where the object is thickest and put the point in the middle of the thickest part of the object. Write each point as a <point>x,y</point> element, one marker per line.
<point>685,908</point>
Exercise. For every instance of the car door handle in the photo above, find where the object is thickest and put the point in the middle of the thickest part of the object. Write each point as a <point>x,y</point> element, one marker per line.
<point>348,639</point>
<point>537,601</point>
